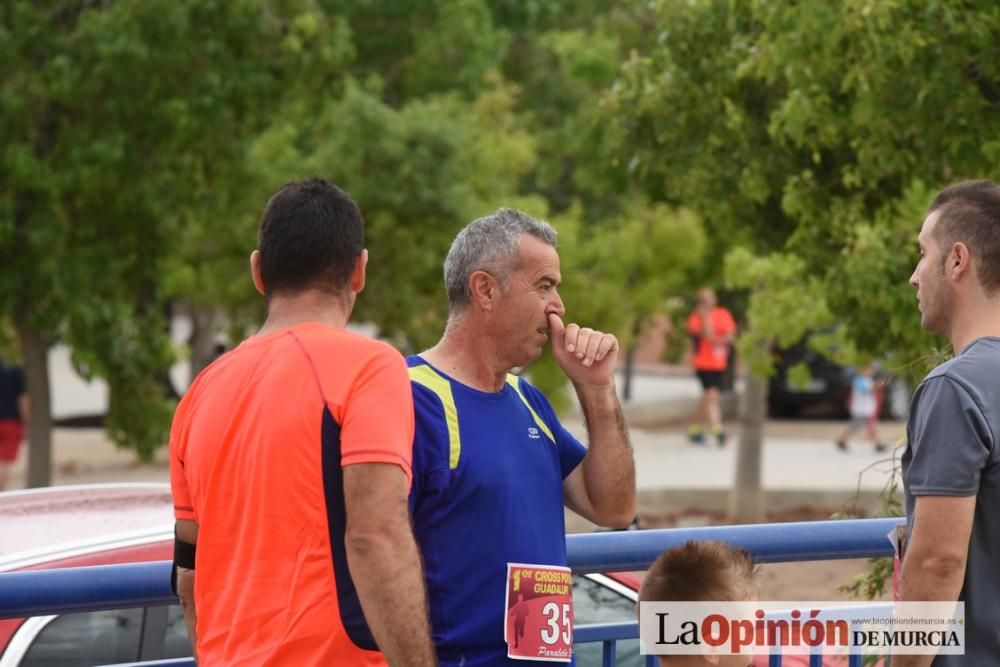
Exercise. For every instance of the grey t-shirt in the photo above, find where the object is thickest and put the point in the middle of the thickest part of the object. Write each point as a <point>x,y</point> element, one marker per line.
<point>952,450</point>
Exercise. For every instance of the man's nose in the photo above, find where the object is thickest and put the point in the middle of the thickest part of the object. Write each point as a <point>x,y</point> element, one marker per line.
<point>557,306</point>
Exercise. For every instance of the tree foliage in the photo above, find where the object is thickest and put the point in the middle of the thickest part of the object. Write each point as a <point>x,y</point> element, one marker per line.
<point>786,148</point>
<point>814,131</point>
<point>119,122</point>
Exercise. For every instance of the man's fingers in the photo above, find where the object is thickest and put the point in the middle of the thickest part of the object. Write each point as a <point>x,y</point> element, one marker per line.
<point>582,341</point>
<point>556,328</point>
<point>585,344</point>
<point>572,334</point>
<point>607,345</point>
<point>593,345</point>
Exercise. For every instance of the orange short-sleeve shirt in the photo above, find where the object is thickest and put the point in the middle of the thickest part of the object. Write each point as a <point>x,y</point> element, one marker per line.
<point>257,450</point>
<point>709,356</point>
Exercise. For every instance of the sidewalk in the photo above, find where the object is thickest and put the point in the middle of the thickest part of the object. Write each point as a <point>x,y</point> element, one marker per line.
<point>672,474</point>
<point>801,466</point>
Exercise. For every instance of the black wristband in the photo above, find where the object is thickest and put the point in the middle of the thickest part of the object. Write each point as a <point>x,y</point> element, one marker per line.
<point>184,556</point>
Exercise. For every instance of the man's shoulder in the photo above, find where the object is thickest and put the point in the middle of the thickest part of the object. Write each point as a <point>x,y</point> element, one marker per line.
<point>722,313</point>
<point>340,341</point>
<point>527,389</point>
<point>341,353</point>
<point>981,357</point>
<point>422,374</point>
<point>977,365</point>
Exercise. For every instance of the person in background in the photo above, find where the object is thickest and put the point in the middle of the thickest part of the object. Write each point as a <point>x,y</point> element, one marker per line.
<point>712,331</point>
<point>14,414</point>
<point>863,407</point>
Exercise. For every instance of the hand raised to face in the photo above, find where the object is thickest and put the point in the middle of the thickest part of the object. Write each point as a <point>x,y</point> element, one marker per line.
<point>586,356</point>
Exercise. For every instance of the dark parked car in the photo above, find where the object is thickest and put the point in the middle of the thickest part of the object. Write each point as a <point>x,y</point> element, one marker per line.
<point>829,387</point>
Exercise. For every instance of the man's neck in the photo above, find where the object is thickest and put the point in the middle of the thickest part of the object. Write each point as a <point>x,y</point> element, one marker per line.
<point>311,306</point>
<point>977,320</point>
<point>468,356</point>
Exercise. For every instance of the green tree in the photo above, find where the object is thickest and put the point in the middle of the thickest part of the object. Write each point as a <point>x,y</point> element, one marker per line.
<point>115,119</point>
<point>805,133</point>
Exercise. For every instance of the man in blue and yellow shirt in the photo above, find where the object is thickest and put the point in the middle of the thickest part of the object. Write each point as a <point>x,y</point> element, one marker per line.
<point>493,467</point>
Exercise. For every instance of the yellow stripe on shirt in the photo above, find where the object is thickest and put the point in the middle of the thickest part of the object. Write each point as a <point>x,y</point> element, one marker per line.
<point>426,377</point>
<point>512,380</point>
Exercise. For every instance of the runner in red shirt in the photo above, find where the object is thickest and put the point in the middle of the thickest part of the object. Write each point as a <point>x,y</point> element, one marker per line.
<point>712,330</point>
<point>290,466</point>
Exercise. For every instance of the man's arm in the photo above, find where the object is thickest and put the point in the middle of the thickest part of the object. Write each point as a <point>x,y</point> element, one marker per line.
<point>728,333</point>
<point>602,488</point>
<point>935,556</point>
<point>385,564</point>
<point>187,531</point>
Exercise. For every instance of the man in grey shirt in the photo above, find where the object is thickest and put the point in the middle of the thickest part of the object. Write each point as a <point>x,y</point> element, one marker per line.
<point>951,466</point>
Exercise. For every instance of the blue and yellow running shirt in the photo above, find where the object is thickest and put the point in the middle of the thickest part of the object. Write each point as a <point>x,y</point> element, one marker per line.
<point>487,491</point>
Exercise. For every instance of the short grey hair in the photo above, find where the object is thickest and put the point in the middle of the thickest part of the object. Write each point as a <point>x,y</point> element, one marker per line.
<point>489,244</point>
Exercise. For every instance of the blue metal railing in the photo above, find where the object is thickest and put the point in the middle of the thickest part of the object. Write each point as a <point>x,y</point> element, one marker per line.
<point>33,593</point>
<point>768,542</point>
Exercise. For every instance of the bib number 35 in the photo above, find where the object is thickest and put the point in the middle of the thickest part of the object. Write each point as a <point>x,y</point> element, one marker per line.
<point>559,624</point>
<point>538,619</point>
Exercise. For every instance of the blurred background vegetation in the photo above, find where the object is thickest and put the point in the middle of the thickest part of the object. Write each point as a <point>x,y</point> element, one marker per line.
<point>785,151</point>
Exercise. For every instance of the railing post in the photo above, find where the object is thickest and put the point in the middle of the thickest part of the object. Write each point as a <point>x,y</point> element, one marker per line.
<point>608,655</point>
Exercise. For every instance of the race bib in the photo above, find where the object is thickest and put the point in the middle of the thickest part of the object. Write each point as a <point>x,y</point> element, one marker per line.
<point>539,618</point>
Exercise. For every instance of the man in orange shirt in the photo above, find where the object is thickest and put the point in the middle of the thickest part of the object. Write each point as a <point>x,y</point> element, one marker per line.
<point>712,331</point>
<point>290,465</point>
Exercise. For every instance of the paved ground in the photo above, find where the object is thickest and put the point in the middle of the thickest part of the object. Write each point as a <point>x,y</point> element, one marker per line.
<point>800,465</point>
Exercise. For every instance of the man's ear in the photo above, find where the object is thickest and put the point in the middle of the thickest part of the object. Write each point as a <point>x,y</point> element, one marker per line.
<point>484,289</point>
<point>959,260</point>
<point>358,274</point>
<point>258,282</point>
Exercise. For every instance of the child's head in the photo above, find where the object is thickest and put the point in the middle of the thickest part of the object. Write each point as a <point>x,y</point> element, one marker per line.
<point>701,572</point>
<point>868,369</point>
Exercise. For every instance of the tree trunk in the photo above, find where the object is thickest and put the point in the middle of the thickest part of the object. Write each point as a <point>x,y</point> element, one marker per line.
<point>746,502</point>
<point>630,361</point>
<point>36,371</point>
<point>629,370</point>
<point>34,345</point>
